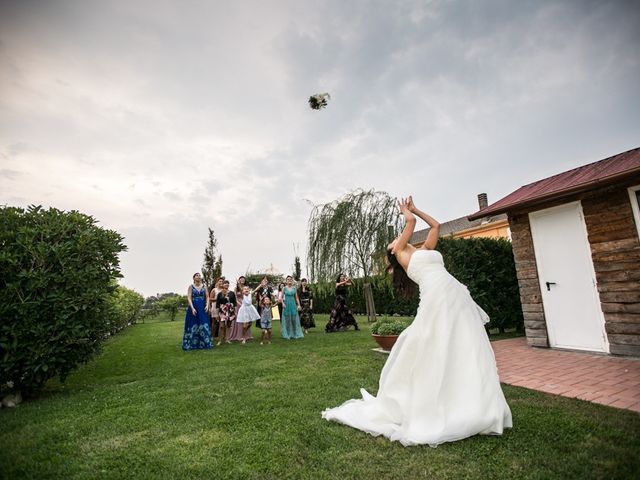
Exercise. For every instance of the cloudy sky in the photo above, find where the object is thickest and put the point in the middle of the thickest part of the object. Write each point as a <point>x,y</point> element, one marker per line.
<point>163,118</point>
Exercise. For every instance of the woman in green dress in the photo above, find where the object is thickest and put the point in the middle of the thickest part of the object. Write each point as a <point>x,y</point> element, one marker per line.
<point>290,321</point>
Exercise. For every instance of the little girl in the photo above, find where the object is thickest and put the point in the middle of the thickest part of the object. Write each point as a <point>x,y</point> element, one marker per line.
<point>247,312</point>
<point>265,321</point>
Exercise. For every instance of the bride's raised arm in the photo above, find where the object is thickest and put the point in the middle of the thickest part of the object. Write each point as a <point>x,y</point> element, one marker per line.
<point>410,225</point>
<point>434,232</point>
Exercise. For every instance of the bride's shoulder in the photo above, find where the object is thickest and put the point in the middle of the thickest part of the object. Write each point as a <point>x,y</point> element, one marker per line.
<point>406,253</point>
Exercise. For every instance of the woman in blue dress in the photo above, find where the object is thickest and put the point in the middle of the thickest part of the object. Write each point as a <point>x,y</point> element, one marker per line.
<point>290,320</point>
<point>197,332</point>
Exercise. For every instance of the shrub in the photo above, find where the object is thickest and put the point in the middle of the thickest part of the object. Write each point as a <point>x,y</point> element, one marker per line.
<point>388,327</point>
<point>126,308</point>
<point>56,278</point>
<point>487,268</point>
<point>385,300</point>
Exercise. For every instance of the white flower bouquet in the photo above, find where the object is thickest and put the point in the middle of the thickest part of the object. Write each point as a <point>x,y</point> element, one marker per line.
<point>319,100</point>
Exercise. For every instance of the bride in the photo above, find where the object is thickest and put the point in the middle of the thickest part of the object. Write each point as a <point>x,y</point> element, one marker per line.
<point>440,382</point>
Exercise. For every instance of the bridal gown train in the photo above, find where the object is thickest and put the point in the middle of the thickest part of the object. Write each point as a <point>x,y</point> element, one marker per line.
<point>440,382</point>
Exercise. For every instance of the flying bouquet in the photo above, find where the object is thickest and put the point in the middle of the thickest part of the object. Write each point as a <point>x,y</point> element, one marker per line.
<point>319,100</point>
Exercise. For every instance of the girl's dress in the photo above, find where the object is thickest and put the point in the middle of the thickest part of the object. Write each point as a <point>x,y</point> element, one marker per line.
<point>440,382</point>
<point>236,328</point>
<point>306,315</point>
<point>226,305</point>
<point>247,312</point>
<point>340,317</point>
<point>197,332</point>
<point>265,318</point>
<point>290,321</point>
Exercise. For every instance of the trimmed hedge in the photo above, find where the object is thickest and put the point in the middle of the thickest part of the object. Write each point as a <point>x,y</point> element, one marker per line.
<point>126,308</point>
<point>487,268</point>
<point>57,272</point>
<point>386,302</point>
<point>484,265</point>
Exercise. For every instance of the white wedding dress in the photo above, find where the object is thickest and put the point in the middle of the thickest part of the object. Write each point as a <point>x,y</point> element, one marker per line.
<point>440,381</point>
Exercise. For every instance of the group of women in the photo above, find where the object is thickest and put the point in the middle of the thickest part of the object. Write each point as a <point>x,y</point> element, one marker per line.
<point>225,315</point>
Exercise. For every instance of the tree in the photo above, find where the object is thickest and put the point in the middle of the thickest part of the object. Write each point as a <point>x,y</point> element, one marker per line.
<point>350,235</point>
<point>212,266</point>
<point>253,279</point>
<point>172,304</point>
<point>57,272</point>
<point>346,234</point>
<point>297,269</point>
<point>153,304</point>
<point>217,269</point>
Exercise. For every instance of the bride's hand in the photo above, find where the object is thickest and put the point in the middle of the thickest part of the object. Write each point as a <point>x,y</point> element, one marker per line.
<point>410,205</point>
<point>403,205</point>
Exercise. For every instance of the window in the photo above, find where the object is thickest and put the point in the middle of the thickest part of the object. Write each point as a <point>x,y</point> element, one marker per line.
<point>634,196</point>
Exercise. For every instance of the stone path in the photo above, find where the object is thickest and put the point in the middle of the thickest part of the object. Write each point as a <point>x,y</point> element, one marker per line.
<point>613,381</point>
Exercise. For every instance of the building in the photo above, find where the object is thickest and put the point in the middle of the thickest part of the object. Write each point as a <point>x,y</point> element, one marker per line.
<point>492,226</point>
<point>577,251</point>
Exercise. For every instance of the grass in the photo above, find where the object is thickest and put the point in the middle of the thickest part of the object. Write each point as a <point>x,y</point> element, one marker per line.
<point>146,409</point>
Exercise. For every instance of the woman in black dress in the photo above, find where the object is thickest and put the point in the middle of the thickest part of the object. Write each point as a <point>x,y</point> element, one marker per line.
<point>306,302</point>
<point>341,317</point>
<point>280,298</point>
<point>226,306</point>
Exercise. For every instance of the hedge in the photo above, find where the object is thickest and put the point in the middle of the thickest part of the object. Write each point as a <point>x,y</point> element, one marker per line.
<point>484,265</point>
<point>57,272</point>
<point>125,308</point>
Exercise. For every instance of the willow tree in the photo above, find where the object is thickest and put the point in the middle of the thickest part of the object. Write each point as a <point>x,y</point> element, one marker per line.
<point>350,235</point>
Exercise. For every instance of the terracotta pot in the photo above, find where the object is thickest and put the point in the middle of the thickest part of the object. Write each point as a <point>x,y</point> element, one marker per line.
<point>385,341</point>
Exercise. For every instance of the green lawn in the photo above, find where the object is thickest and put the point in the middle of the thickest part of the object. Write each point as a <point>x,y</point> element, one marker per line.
<point>146,409</point>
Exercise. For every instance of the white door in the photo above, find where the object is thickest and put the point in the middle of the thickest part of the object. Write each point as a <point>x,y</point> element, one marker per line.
<point>567,279</point>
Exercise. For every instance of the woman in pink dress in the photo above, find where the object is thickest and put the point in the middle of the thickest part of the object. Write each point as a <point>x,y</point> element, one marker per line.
<point>236,332</point>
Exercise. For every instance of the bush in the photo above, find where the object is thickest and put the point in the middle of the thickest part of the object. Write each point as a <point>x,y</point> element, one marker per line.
<point>487,268</point>
<point>388,327</point>
<point>126,308</point>
<point>385,300</point>
<point>56,279</point>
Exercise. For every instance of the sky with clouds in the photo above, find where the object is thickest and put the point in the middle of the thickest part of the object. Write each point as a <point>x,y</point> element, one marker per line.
<point>163,118</point>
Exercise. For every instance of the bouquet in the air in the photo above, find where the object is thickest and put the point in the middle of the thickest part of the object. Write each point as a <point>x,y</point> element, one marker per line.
<point>319,100</point>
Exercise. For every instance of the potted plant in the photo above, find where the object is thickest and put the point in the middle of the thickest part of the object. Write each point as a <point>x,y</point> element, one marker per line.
<point>386,331</point>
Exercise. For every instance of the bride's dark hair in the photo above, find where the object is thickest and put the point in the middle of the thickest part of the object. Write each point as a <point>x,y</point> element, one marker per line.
<point>402,284</point>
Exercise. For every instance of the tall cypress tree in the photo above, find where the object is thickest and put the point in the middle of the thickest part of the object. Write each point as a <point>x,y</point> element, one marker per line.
<point>297,269</point>
<point>212,265</point>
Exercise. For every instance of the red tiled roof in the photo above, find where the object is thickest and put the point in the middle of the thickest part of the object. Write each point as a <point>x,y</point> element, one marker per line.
<point>572,181</point>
